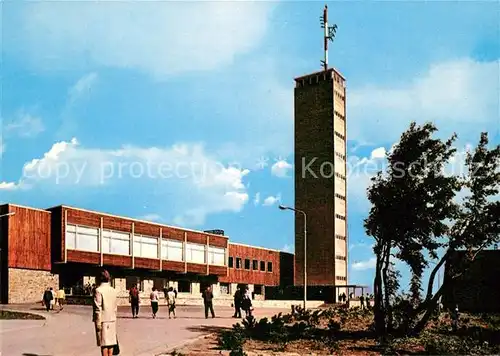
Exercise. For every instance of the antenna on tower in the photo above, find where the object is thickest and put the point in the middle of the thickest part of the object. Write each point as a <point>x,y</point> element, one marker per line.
<point>329,35</point>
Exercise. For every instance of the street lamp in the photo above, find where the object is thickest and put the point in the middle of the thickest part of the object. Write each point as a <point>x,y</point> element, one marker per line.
<point>283,207</point>
<point>1,216</point>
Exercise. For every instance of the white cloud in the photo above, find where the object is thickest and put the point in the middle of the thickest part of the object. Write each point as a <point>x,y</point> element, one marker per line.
<point>159,38</point>
<point>8,186</point>
<point>185,182</point>
<point>281,168</point>
<point>24,125</point>
<point>459,94</point>
<point>364,265</point>
<point>256,200</point>
<point>272,200</point>
<point>378,153</point>
<point>81,87</point>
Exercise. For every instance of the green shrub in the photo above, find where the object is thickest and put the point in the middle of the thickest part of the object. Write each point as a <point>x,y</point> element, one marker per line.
<point>232,339</point>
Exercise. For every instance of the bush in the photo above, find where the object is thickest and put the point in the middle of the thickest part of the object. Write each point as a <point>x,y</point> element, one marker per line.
<point>232,339</point>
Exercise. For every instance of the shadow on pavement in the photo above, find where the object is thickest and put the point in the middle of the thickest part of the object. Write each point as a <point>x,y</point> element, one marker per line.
<point>208,329</point>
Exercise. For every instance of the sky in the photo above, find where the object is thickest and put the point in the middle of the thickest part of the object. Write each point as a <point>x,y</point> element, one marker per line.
<point>182,112</point>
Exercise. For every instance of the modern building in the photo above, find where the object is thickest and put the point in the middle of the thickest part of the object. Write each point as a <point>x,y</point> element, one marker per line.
<point>66,247</point>
<point>320,180</point>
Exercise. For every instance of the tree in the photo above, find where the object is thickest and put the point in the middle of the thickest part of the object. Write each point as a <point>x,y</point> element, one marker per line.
<point>414,214</point>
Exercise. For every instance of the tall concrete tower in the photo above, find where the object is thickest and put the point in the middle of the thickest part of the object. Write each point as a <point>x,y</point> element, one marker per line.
<point>320,176</point>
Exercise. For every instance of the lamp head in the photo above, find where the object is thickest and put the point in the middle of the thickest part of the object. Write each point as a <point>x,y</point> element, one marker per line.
<point>282,207</point>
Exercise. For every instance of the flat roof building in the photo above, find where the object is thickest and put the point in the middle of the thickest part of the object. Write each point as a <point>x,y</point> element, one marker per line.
<point>65,247</point>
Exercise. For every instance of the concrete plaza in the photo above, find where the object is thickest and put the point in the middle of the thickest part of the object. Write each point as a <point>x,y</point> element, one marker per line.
<point>71,331</point>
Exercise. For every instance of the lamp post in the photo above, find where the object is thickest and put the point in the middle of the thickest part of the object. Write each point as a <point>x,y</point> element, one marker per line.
<point>283,207</point>
<point>1,262</point>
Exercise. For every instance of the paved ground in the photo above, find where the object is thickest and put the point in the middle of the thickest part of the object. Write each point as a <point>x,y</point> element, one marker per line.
<point>71,332</point>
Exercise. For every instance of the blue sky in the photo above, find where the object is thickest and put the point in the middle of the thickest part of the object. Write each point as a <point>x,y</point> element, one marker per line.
<point>165,110</point>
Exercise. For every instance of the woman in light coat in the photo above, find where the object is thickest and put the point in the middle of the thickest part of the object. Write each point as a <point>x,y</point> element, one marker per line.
<point>105,315</point>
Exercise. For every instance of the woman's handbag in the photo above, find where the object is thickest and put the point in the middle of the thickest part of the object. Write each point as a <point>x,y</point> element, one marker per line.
<point>116,348</point>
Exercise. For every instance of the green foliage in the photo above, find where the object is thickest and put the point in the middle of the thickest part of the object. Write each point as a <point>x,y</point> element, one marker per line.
<point>233,340</point>
<point>455,345</point>
<point>413,214</point>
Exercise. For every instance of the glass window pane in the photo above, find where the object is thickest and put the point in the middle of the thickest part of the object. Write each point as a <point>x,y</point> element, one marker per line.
<point>87,242</point>
<point>105,244</point>
<point>120,247</point>
<point>70,240</point>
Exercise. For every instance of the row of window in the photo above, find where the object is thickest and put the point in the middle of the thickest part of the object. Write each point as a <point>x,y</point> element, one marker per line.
<point>339,257</point>
<point>256,265</point>
<point>340,155</point>
<point>120,243</point>
<point>339,135</point>
<point>340,196</point>
<point>341,176</point>
<point>340,237</point>
<point>339,115</point>
<point>341,217</point>
<point>341,278</point>
<point>340,96</point>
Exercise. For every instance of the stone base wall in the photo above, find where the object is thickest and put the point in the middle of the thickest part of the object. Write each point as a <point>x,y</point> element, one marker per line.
<point>27,286</point>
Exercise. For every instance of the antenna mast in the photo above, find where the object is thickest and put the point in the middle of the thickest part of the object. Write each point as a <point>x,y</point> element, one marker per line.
<point>329,35</point>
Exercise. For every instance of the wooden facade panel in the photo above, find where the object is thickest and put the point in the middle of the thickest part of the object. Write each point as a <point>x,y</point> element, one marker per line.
<point>84,257</point>
<point>218,241</point>
<point>196,237</point>
<point>218,271</point>
<point>251,276</point>
<point>146,229</point>
<point>196,268</point>
<point>173,234</point>
<point>84,218</point>
<point>114,260</point>
<point>147,263</point>
<point>173,266</point>
<point>29,243</point>
<point>117,224</point>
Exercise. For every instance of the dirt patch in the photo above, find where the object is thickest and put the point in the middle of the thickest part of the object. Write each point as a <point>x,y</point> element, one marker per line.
<point>12,315</point>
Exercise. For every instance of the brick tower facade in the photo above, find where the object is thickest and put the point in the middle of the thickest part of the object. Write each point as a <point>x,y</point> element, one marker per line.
<point>320,178</point>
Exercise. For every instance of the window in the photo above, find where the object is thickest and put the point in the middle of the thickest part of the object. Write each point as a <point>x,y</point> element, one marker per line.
<point>269,266</point>
<point>247,263</point>
<point>216,256</point>
<point>339,135</point>
<point>184,286</point>
<point>82,238</point>
<point>339,257</point>
<point>171,250</point>
<point>262,266</point>
<point>255,265</point>
<point>145,246</point>
<point>160,283</point>
<point>115,242</point>
<point>340,196</point>
<point>230,262</point>
<point>341,278</point>
<point>238,262</point>
<point>340,237</point>
<point>224,288</point>
<point>257,289</point>
<point>195,253</point>
<point>70,236</point>
<point>338,175</point>
<point>338,216</point>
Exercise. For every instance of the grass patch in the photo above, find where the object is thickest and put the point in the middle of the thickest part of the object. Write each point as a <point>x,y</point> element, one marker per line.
<point>12,315</point>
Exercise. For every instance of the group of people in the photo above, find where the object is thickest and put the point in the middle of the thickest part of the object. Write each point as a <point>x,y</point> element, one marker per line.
<point>170,299</point>
<point>242,300</point>
<point>52,298</point>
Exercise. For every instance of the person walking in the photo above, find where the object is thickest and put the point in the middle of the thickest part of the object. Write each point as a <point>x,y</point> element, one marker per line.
<point>362,301</point>
<point>208,296</point>
<point>47,299</point>
<point>61,298</point>
<point>237,302</point>
<point>155,299</point>
<point>54,297</point>
<point>134,301</point>
<point>246,303</point>
<point>105,315</point>
<point>171,302</point>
